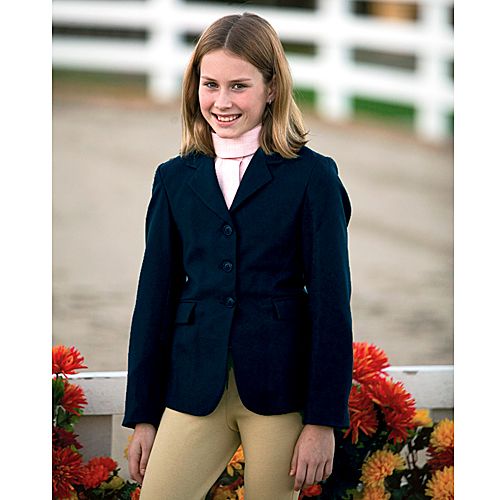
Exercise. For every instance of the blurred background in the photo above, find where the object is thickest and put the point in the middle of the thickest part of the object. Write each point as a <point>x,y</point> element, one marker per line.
<point>375,82</point>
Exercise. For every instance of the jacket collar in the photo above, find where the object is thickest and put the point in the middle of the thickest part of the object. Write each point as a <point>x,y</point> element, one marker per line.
<point>204,181</point>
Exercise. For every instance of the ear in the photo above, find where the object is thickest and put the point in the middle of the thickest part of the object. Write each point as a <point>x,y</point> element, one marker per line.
<point>271,95</point>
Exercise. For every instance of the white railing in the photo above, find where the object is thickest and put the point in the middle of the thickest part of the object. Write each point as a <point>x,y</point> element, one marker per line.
<point>331,72</point>
<point>100,428</point>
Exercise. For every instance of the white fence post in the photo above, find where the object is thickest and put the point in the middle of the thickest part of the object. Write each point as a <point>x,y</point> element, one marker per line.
<point>333,60</point>
<point>431,111</point>
<point>165,46</point>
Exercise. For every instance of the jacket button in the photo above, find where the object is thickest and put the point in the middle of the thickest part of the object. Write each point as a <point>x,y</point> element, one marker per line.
<point>227,266</point>
<point>229,302</point>
<point>228,230</point>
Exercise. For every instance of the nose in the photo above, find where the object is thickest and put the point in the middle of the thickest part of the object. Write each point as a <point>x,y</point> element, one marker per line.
<point>223,100</point>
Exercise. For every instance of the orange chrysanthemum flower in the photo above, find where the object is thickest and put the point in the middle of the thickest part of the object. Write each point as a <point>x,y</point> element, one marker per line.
<point>378,466</point>
<point>73,398</point>
<point>240,493</point>
<point>66,360</point>
<point>362,414</point>
<point>441,486</point>
<point>96,471</point>
<point>422,418</point>
<point>397,405</point>
<point>236,461</point>
<point>442,436</point>
<point>66,472</point>
<point>125,451</point>
<point>225,492</point>
<point>369,361</point>
<point>375,493</point>
<point>441,445</point>
<point>135,494</point>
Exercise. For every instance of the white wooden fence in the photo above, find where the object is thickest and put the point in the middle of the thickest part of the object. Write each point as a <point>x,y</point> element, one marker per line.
<point>100,428</point>
<point>331,72</point>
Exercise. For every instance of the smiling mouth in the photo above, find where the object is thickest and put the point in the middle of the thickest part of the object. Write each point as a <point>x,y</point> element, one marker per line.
<point>226,118</point>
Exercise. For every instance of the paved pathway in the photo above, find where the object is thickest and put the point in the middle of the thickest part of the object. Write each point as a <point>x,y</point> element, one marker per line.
<point>105,152</point>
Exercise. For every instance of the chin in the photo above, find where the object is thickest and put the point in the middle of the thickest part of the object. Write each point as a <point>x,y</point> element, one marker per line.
<point>226,133</point>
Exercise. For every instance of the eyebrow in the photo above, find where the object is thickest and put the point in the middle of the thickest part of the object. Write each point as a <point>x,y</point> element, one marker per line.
<point>206,77</point>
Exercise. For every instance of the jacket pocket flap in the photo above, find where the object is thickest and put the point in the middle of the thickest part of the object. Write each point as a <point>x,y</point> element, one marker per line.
<point>185,312</point>
<point>290,308</point>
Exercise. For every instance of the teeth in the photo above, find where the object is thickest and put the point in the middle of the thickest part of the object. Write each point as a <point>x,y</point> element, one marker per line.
<point>227,118</point>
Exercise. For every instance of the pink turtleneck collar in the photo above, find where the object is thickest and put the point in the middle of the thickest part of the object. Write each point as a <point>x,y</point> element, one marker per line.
<point>244,145</point>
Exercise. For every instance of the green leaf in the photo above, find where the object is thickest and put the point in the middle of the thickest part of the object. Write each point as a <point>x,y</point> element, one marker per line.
<point>398,494</point>
<point>394,480</point>
<point>349,494</point>
<point>57,390</point>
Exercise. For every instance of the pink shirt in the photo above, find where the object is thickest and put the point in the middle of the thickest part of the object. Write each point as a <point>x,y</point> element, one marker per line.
<point>232,159</point>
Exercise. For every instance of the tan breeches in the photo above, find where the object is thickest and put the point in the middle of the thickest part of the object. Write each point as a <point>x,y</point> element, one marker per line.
<point>190,452</point>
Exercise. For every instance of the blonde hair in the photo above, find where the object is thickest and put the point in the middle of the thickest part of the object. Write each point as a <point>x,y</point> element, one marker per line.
<point>252,38</point>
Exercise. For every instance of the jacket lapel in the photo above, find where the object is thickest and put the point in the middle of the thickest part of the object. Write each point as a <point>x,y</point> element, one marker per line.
<point>204,182</point>
<point>256,175</point>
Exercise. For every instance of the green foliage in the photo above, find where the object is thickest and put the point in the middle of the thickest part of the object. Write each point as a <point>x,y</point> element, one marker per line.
<point>57,392</point>
<point>388,111</point>
<point>115,488</point>
<point>61,417</point>
<point>97,78</point>
<point>305,97</point>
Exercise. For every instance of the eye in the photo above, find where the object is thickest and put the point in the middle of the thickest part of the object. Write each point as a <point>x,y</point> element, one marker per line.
<point>210,85</point>
<point>239,86</point>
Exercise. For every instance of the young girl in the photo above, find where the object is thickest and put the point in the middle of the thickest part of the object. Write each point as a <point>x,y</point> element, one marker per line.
<point>241,332</point>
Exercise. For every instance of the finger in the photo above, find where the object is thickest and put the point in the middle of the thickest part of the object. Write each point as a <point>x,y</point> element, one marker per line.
<point>293,463</point>
<point>328,470</point>
<point>311,474</point>
<point>133,462</point>
<point>320,473</point>
<point>144,458</point>
<point>300,475</point>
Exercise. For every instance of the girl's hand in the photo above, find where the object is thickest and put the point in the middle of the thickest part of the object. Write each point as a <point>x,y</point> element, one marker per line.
<point>312,459</point>
<point>139,450</point>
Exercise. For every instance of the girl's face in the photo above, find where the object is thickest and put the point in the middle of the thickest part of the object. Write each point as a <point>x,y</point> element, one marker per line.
<point>232,93</point>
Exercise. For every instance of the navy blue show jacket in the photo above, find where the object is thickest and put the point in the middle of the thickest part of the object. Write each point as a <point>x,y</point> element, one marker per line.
<point>267,280</point>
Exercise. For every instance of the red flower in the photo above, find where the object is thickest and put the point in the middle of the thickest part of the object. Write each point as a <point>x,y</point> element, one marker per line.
<point>66,360</point>
<point>362,414</point>
<point>96,471</point>
<point>107,462</point>
<point>92,477</point>
<point>369,361</point>
<point>65,471</point>
<point>311,491</point>
<point>397,405</point>
<point>135,494</point>
<point>73,398</point>
<point>439,459</point>
<point>62,438</point>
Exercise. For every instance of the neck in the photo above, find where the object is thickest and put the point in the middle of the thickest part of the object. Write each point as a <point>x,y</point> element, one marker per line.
<point>237,147</point>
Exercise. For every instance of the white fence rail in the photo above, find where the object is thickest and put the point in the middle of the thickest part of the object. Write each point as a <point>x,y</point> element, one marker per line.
<point>332,72</point>
<point>100,428</point>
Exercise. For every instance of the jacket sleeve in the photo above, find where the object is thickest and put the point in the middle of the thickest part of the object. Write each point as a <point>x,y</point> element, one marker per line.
<point>159,280</point>
<point>326,214</point>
